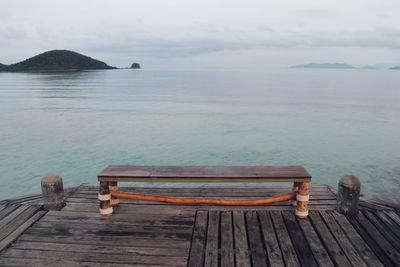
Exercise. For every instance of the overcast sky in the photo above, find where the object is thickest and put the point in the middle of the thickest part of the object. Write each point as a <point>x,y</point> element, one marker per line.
<point>204,33</point>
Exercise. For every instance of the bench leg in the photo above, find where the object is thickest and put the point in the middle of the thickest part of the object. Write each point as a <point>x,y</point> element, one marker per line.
<point>302,198</point>
<point>295,189</point>
<point>105,199</point>
<point>113,188</point>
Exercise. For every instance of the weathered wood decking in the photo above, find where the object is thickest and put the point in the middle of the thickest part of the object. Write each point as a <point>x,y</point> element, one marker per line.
<point>155,234</point>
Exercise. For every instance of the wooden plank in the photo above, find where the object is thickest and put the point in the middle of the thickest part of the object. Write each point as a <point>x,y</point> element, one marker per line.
<point>240,179</point>
<point>11,216</point>
<point>332,247</point>
<point>299,241</point>
<point>212,245</point>
<point>317,248</point>
<point>261,188</point>
<point>7,210</point>
<point>115,227</point>
<point>125,258</point>
<point>265,190</point>
<point>376,248</point>
<point>242,256</point>
<point>24,197</point>
<point>385,203</point>
<point>122,234</point>
<point>372,206</point>
<point>343,241</point>
<point>266,208</point>
<point>395,217</point>
<point>137,208</point>
<point>227,253</point>
<point>94,186</point>
<point>12,236</point>
<point>288,252</point>
<point>383,229</point>
<point>65,263</point>
<point>104,240</point>
<point>258,257</point>
<point>386,246</point>
<point>390,224</point>
<point>100,248</point>
<point>15,219</point>
<point>270,240</point>
<point>177,223</point>
<point>3,206</point>
<point>196,187</point>
<point>197,247</point>
<point>204,173</point>
<point>181,219</point>
<point>362,247</point>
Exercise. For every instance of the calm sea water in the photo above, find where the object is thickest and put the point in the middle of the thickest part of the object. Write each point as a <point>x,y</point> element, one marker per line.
<point>334,122</point>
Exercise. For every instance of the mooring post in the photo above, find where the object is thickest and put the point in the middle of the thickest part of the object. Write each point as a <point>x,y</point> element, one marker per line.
<point>348,195</point>
<point>52,192</point>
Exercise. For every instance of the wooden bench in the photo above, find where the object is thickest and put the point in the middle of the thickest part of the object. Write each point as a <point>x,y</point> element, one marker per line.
<point>111,175</point>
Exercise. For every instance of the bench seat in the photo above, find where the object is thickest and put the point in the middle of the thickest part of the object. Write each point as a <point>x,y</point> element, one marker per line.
<point>113,174</point>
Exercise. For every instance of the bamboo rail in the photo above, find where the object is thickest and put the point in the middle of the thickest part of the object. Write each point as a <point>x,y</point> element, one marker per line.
<point>205,201</point>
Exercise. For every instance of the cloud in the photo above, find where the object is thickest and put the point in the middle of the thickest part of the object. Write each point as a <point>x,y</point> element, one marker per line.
<point>177,28</point>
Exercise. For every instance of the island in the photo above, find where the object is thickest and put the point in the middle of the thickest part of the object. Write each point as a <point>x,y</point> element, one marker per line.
<point>135,66</point>
<point>324,66</point>
<point>57,60</point>
<point>395,68</point>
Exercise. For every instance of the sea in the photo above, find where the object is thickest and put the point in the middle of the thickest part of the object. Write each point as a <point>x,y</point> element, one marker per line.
<point>334,122</point>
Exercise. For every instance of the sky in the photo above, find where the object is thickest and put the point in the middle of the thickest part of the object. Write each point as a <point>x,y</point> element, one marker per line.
<point>204,34</point>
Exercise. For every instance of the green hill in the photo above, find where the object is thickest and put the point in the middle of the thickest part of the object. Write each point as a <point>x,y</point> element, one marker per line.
<point>58,60</point>
<point>2,67</point>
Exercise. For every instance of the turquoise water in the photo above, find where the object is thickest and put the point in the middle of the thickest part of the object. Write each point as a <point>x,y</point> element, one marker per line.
<point>334,122</point>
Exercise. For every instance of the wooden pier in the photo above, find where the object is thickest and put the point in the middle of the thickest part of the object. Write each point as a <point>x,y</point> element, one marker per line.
<point>155,234</point>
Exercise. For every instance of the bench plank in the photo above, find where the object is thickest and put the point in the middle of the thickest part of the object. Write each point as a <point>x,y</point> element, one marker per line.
<point>204,173</point>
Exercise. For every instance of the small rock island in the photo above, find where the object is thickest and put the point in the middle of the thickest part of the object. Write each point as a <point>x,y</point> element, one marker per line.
<point>135,66</point>
<point>57,60</point>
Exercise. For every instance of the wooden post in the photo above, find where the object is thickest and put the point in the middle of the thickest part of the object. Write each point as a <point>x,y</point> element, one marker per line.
<point>295,189</point>
<point>52,192</point>
<point>348,195</point>
<point>302,198</point>
<point>114,188</point>
<point>105,199</point>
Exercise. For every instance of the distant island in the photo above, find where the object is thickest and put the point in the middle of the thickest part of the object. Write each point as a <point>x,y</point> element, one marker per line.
<point>324,66</point>
<point>57,60</point>
<point>395,68</point>
<point>2,67</point>
<point>135,66</point>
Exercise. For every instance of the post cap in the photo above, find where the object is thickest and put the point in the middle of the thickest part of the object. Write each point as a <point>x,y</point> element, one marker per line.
<point>350,181</point>
<point>51,178</point>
